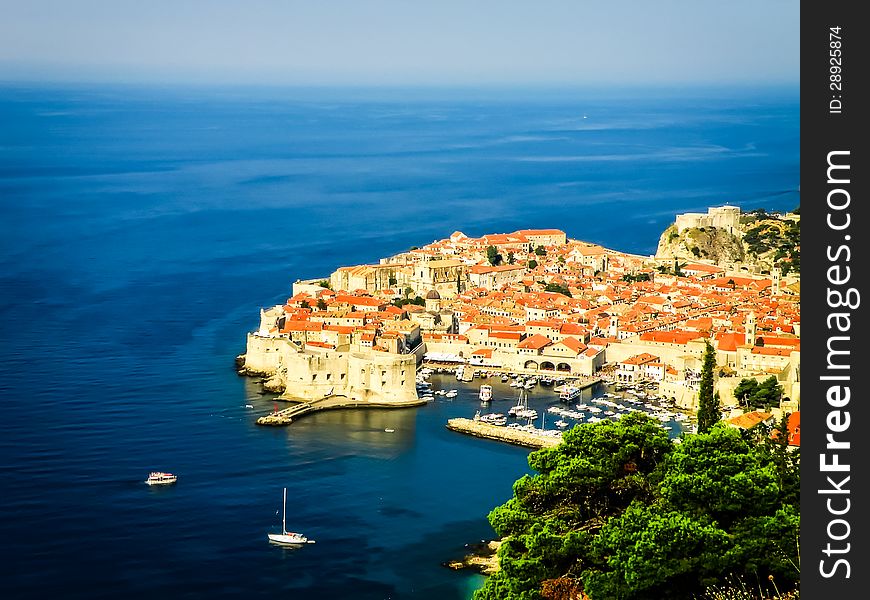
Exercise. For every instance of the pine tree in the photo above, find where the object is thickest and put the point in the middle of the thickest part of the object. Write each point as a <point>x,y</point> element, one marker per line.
<point>708,403</point>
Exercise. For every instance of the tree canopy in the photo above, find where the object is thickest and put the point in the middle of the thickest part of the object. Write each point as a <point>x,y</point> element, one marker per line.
<point>559,289</point>
<point>751,394</point>
<point>621,512</point>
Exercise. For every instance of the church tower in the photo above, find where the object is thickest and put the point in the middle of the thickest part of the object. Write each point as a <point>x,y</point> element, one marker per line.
<point>750,329</point>
<point>775,286</point>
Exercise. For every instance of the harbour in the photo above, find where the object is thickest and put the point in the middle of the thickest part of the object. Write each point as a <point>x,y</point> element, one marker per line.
<point>182,238</point>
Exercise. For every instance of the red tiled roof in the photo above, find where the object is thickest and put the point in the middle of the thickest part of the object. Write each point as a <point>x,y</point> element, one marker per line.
<point>771,351</point>
<point>670,337</point>
<point>703,268</point>
<point>339,328</point>
<point>794,429</point>
<point>749,420</point>
<point>535,342</point>
<point>319,345</point>
<point>729,341</point>
<point>291,326</point>
<point>574,344</point>
<point>640,359</point>
<point>359,300</point>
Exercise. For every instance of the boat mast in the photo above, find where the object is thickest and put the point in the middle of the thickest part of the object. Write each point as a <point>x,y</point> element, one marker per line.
<point>284,516</point>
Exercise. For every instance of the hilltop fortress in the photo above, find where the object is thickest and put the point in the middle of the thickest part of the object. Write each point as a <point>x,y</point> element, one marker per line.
<point>530,301</point>
<point>722,217</point>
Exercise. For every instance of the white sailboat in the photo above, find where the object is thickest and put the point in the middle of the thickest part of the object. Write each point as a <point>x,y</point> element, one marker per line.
<point>288,537</point>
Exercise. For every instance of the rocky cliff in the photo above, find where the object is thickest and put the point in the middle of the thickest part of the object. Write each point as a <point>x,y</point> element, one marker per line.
<point>705,243</point>
<point>761,242</point>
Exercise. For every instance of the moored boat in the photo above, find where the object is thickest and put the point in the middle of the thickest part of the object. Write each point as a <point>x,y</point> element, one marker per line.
<point>494,419</point>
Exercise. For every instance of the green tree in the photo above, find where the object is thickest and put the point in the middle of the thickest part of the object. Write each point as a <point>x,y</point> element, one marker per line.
<point>393,281</point>
<point>324,283</point>
<point>533,264</point>
<point>708,404</point>
<point>511,259</point>
<point>559,289</point>
<point>304,304</point>
<point>492,255</point>
<point>745,390</point>
<point>321,304</point>
<point>617,511</point>
<point>769,393</point>
<point>541,251</point>
<point>751,394</point>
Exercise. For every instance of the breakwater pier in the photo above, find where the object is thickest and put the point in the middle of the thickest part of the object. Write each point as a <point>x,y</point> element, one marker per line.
<point>510,435</point>
<point>297,409</point>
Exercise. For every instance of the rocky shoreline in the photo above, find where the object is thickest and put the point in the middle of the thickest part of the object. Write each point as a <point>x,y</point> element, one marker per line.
<point>483,558</point>
<point>269,381</point>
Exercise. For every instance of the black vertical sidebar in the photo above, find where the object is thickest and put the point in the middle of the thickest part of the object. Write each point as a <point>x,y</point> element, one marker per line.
<point>835,299</point>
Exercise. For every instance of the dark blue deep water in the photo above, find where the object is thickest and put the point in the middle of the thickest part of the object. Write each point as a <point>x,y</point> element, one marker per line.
<point>142,228</point>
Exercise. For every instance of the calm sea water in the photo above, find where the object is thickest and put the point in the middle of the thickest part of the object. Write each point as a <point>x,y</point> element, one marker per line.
<point>142,229</point>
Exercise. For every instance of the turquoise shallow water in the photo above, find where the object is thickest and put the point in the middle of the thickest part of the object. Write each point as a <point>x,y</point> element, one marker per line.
<point>142,229</point>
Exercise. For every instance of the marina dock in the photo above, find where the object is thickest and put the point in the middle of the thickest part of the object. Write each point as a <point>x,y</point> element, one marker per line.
<point>502,434</point>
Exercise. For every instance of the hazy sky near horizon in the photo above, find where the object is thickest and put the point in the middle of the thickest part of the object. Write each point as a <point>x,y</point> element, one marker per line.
<point>452,42</point>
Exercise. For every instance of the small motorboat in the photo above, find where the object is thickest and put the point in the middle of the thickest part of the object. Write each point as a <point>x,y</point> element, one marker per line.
<point>160,478</point>
<point>485,394</point>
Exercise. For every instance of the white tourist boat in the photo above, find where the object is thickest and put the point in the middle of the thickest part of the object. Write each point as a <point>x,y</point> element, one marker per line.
<point>288,537</point>
<point>160,478</point>
<point>569,393</point>
<point>494,419</point>
<point>485,394</point>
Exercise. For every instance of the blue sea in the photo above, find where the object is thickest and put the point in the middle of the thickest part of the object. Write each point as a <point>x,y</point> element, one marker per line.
<point>143,228</point>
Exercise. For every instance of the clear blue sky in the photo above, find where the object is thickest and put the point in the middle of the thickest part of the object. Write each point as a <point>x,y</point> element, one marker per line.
<point>453,42</point>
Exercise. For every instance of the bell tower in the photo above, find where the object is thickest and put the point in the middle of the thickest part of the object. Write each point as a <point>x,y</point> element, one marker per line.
<point>750,329</point>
